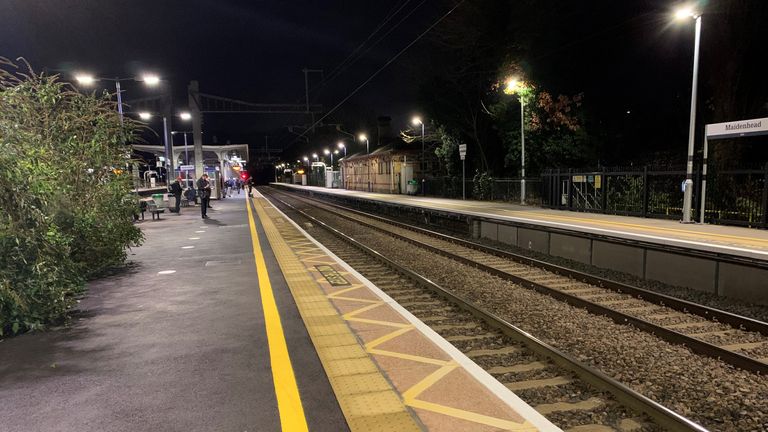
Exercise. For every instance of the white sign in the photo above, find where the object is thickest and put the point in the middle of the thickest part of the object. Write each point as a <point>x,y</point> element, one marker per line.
<point>462,151</point>
<point>186,167</point>
<point>738,128</point>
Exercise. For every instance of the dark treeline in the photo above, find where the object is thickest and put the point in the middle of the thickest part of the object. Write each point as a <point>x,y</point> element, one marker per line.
<point>612,81</point>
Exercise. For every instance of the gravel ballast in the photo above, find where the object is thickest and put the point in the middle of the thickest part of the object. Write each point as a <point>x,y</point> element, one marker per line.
<point>703,389</point>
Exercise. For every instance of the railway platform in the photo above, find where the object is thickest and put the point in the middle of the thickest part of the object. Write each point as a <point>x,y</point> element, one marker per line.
<point>240,322</point>
<point>723,260</point>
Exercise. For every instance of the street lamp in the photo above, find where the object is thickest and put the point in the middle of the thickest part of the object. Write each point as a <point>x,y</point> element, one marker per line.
<point>314,155</point>
<point>685,13</point>
<point>342,146</point>
<point>328,153</point>
<point>186,117</point>
<point>86,80</point>
<point>168,144</point>
<point>417,121</point>
<point>363,137</point>
<point>151,80</point>
<point>512,86</point>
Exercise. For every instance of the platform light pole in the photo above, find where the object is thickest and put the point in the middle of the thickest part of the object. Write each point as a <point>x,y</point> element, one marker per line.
<point>342,169</point>
<point>87,80</point>
<point>514,85</point>
<point>683,13</point>
<point>417,121</point>
<point>363,137</point>
<point>151,80</point>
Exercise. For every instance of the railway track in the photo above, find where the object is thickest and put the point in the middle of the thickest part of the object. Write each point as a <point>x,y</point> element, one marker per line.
<point>569,393</point>
<point>739,341</point>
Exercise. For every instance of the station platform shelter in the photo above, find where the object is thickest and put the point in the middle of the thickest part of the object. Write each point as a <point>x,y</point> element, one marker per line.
<point>723,260</point>
<point>232,323</point>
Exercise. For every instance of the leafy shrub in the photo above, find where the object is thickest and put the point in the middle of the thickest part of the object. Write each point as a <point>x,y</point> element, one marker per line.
<point>482,186</point>
<point>66,208</point>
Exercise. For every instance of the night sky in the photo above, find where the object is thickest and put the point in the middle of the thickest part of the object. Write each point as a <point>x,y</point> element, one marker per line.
<point>624,55</point>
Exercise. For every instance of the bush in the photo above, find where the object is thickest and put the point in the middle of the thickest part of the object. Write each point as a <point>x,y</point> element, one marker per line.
<point>482,186</point>
<point>66,209</point>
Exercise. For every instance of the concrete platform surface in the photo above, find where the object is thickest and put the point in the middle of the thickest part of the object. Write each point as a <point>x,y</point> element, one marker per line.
<point>183,351</point>
<point>739,241</point>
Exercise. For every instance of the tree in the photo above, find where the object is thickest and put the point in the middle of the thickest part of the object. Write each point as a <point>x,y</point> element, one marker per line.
<point>67,211</point>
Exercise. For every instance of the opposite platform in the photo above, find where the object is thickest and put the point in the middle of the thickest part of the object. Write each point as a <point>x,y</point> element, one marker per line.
<point>389,371</point>
<point>747,242</point>
<point>721,260</point>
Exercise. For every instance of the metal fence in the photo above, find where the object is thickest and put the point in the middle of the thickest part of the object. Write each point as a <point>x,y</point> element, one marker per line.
<point>733,197</point>
<point>499,189</point>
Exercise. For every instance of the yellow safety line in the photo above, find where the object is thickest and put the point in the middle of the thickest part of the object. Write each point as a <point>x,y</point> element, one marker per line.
<point>631,225</point>
<point>508,425</point>
<point>445,367</point>
<point>346,290</point>
<point>418,388</point>
<point>355,312</point>
<point>376,342</point>
<point>410,395</point>
<point>355,299</point>
<point>411,357</point>
<point>378,322</point>
<point>286,390</point>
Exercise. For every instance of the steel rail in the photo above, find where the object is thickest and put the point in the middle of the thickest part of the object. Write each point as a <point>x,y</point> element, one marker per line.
<point>662,415</point>
<point>707,312</point>
<point>696,345</point>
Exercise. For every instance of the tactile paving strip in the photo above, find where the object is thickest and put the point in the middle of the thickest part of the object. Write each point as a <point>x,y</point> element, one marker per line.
<point>367,399</point>
<point>351,326</point>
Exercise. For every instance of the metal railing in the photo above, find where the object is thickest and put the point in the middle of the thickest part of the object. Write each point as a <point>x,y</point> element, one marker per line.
<point>497,189</point>
<point>734,197</point>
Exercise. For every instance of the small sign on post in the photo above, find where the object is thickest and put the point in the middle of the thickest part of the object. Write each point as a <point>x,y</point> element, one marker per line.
<point>463,155</point>
<point>186,167</point>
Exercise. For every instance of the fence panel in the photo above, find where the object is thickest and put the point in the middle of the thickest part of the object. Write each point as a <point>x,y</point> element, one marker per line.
<point>734,197</point>
<point>737,197</point>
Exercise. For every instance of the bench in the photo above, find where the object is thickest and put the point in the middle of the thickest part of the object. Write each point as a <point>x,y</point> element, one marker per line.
<point>154,209</point>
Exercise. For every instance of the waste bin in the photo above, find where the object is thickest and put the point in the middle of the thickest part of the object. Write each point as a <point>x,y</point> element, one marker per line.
<point>158,199</point>
<point>413,187</point>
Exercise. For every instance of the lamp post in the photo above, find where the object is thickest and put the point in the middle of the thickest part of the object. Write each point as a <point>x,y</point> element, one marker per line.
<point>513,86</point>
<point>417,121</point>
<point>342,168</point>
<point>186,117</point>
<point>363,137</point>
<point>681,14</point>
<point>88,80</point>
<point>146,116</point>
<point>150,80</point>
<point>328,153</point>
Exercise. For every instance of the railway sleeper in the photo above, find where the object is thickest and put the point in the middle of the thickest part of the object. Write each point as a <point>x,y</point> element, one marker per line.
<point>538,383</point>
<point>475,353</point>
<point>590,404</point>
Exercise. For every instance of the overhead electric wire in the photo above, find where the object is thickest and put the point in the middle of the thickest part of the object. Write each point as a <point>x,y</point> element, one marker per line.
<point>390,61</point>
<point>343,64</point>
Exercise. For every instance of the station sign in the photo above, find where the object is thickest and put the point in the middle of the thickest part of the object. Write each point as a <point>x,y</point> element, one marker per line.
<point>462,151</point>
<point>186,167</point>
<point>738,128</point>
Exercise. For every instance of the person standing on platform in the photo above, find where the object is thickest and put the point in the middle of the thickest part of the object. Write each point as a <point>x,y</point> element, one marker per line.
<point>204,189</point>
<point>176,191</point>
